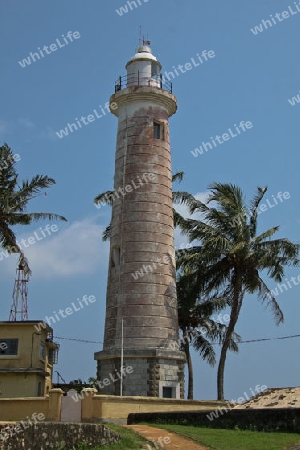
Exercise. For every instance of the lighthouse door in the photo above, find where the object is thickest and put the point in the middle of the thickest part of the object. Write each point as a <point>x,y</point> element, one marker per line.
<point>167,392</point>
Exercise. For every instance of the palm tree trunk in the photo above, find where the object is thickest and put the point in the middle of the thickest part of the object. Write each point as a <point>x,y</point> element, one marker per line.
<point>234,315</point>
<point>190,368</point>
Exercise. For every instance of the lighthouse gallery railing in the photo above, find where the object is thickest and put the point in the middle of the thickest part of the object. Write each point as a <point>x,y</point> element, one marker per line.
<point>137,79</point>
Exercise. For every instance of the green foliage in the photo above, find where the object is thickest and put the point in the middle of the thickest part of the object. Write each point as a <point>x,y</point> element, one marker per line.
<point>78,385</point>
<point>83,446</point>
<point>195,319</point>
<point>228,258</point>
<point>60,446</point>
<point>14,198</point>
<point>129,440</point>
<point>219,439</point>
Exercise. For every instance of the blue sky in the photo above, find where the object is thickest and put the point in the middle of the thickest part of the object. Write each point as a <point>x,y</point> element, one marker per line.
<point>250,78</point>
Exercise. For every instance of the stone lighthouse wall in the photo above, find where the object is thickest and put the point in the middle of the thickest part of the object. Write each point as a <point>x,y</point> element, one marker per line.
<point>142,275</point>
<point>141,288</point>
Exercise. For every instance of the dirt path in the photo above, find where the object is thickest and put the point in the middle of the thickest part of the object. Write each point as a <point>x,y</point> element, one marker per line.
<point>164,439</point>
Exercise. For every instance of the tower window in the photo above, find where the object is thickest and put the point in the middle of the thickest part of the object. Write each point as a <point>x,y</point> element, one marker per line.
<point>158,130</point>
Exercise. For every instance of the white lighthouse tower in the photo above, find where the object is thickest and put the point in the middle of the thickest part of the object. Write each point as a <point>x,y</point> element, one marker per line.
<point>141,324</point>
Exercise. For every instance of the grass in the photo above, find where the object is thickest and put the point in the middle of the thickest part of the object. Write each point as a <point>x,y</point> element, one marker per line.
<point>218,439</point>
<point>215,439</point>
<point>129,441</point>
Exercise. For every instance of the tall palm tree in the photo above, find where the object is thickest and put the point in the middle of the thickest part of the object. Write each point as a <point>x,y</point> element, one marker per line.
<point>232,258</point>
<point>14,197</point>
<point>198,328</point>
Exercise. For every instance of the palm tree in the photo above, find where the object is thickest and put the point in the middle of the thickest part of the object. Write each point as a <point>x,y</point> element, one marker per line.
<point>14,197</point>
<point>231,256</point>
<point>198,328</point>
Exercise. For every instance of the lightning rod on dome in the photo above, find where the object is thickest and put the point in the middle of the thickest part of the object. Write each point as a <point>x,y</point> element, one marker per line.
<point>142,40</point>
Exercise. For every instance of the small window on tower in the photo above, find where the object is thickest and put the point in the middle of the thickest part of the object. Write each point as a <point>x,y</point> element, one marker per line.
<point>158,130</point>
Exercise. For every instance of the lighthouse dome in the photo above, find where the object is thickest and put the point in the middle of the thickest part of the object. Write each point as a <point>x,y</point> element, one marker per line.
<point>143,69</point>
<point>143,53</point>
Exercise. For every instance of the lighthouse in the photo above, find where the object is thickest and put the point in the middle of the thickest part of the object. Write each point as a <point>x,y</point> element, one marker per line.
<point>141,355</point>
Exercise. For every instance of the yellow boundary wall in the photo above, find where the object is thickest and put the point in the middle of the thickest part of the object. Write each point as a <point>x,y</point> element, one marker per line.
<point>23,407</point>
<point>95,407</point>
<point>98,407</point>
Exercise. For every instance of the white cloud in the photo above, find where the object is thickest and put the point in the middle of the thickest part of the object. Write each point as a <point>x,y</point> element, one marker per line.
<point>4,126</point>
<point>180,240</point>
<point>183,210</point>
<point>73,250</point>
<point>26,122</point>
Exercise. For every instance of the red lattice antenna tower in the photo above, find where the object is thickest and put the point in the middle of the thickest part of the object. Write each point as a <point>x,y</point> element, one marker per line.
<point>19,298</point>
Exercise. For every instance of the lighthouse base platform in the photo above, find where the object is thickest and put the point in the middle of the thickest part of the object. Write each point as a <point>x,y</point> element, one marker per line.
<point>150,373</point>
